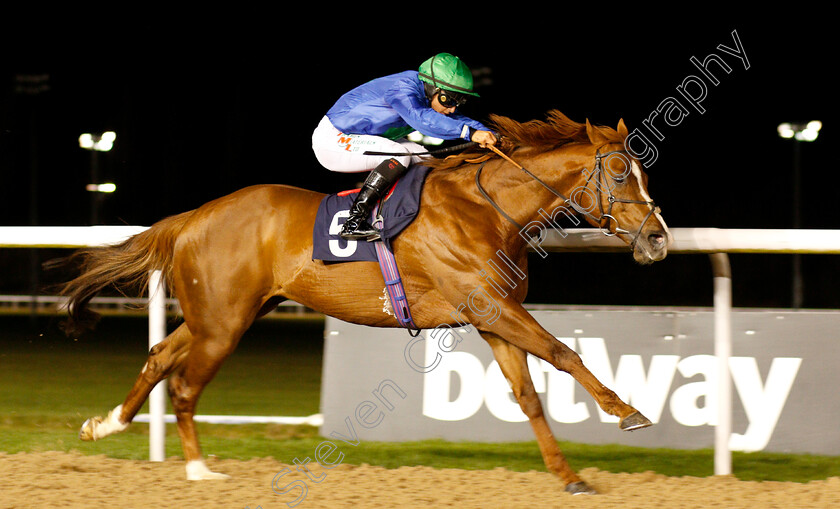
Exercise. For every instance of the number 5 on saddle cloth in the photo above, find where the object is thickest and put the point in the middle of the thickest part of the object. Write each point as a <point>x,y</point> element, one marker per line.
<point>391,215</point>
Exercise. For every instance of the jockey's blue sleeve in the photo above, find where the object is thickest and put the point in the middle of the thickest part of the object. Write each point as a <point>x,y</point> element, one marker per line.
<point>416,112</point>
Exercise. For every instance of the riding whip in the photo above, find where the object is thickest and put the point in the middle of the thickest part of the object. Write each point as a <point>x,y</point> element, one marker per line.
<point>447,150</point>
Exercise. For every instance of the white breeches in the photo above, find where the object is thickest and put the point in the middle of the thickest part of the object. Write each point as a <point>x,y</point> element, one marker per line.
<point>345,153</point>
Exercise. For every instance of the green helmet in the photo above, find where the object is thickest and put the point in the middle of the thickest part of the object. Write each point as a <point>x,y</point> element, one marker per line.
<point>447,72</point>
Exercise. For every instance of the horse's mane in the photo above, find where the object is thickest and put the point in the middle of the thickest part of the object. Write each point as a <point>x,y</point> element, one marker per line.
<point>537,135</point>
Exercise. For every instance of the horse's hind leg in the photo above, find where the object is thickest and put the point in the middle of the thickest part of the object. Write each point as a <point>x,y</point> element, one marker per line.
<point>163,358</point>
<point>215,338</point>
<point>514,364</point>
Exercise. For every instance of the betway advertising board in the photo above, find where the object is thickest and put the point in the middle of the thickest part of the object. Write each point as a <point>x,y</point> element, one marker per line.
<point>385,385</point>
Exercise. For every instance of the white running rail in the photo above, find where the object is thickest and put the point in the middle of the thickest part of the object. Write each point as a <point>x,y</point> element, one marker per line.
<point>717,243</point>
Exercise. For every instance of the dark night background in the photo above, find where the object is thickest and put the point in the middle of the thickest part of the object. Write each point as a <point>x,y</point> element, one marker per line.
<point>201,112</point>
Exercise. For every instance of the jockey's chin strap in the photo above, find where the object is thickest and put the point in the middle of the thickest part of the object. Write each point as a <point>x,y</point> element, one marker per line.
<point>601,182</point>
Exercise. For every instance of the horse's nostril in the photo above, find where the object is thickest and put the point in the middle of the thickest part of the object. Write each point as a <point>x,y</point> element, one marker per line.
<point>656,240</point>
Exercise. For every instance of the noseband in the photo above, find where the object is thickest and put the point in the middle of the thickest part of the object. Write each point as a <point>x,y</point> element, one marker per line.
<point>601,184</point>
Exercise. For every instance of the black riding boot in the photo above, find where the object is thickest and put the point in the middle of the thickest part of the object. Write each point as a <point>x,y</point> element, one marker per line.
<point>377,183</point>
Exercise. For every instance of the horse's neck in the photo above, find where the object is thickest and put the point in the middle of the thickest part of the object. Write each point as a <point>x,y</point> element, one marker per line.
<point>524,197</point>
<point>513,191</point>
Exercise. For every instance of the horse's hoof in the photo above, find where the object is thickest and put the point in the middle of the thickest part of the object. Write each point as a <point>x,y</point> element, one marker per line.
<point>634,421</point>
<point>208,476</point>
<point>97,427</point>
<point>87,432</point>
<point>580,488</point>
<point>197,471</point>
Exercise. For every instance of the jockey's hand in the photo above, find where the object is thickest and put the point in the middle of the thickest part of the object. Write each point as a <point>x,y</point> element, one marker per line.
<point>484,138</point>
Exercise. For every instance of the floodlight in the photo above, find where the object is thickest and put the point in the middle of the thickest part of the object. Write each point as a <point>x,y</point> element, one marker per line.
<point>102,188</point>
<point>801,132</point>
<point>100,142</point>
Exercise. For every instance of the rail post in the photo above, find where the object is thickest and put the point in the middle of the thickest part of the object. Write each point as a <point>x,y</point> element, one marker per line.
<point>157,398</point>
<point>723,350</point>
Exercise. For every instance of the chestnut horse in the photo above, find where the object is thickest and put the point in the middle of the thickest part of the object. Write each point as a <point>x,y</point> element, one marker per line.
<point>234,258</point>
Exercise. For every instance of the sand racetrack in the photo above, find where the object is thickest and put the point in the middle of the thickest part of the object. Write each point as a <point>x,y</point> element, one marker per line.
<point>58,479</point>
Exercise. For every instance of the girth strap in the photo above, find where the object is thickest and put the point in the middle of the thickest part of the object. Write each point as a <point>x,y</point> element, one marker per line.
<point>393,281</point>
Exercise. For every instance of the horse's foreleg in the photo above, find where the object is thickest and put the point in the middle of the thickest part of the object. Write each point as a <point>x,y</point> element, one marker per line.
<point>569,361</point>
<point>162,360</point>
<point>514,364</point>
<point>516,326</point>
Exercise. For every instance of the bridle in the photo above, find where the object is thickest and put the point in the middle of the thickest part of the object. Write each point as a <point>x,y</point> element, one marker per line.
<point>601,184</point>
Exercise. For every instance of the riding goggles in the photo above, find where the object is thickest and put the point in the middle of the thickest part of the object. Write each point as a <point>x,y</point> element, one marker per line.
<point>449,99</point>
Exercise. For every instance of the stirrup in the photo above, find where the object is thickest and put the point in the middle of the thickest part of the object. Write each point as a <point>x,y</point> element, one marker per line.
<point>370,237</point>
<point>363,231</point>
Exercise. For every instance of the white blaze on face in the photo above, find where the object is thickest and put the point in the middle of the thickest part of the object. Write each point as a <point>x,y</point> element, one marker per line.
<point>637,172</point>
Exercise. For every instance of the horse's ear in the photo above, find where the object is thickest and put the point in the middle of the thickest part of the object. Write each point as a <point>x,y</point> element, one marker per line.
<point>595,136</point>
<point>622,129</point>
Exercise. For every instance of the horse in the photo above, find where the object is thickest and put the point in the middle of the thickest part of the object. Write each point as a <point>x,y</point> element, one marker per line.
<point>235,258</point>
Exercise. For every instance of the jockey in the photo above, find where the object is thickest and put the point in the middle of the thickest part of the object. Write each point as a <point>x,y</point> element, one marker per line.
<point>376,116</point>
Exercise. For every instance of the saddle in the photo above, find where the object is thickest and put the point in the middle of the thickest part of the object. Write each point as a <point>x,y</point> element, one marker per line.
<point>394,212</point>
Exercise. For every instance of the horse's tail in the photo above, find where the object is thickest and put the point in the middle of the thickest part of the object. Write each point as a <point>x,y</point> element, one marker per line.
<point>125,266</point>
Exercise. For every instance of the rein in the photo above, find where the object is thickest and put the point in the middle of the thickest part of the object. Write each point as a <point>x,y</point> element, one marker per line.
<point>597,170</point>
